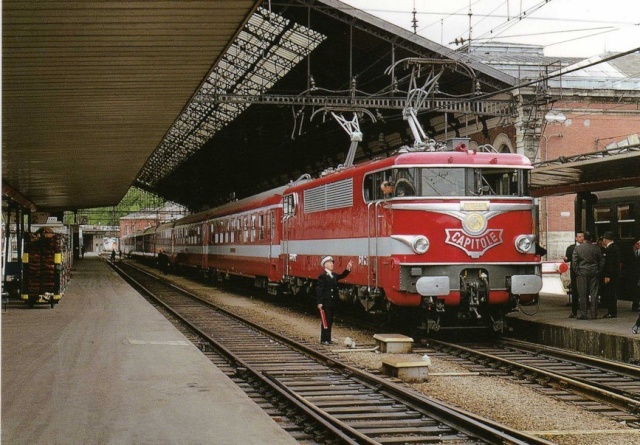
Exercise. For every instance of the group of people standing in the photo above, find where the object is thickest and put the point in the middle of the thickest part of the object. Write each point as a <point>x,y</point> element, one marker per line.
<point>597,270</point>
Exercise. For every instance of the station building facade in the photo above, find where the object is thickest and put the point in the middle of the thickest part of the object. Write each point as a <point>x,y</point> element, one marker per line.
<point>593,107</point>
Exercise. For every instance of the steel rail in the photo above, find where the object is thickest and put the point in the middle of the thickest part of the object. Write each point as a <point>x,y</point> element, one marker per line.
<point>467,423</point>
<point>582,386</point>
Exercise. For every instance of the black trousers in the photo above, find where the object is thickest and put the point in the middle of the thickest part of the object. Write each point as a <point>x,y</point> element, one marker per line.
<point>325,334</point>
<point>610,297</point>
<point>575,298</point>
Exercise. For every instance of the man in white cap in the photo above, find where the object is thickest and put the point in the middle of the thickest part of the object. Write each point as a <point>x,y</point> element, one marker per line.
<point>327,296</point>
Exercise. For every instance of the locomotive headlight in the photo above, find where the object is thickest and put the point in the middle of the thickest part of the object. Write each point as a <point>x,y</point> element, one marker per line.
<point>524,243</point>
<point>420,244</point>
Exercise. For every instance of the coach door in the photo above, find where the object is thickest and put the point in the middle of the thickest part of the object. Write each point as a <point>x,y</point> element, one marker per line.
<point>288,213</point>
<point>373,235</point>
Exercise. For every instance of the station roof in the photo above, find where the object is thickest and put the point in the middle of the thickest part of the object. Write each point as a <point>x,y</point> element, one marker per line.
<point>101,96</point>
<point>591,172</point>
<point>89,89</point>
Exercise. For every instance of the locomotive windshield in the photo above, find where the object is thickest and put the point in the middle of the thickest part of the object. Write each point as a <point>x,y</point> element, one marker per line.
<point>446,181</point>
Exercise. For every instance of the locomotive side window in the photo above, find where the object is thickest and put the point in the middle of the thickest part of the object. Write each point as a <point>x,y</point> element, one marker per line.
<point>378,185</point>
<point>289,205</point>
<point>626,220</point>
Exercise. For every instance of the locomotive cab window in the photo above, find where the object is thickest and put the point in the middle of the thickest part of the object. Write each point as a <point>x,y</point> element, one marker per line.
<point>500,182</point>
<point>446,181</point>
<point>443,181</point>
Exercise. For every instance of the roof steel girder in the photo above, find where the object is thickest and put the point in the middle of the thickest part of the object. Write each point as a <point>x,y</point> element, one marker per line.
<point>497,108</point>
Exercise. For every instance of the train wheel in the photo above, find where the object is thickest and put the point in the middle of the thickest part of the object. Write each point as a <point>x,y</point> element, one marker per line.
<point>298,287</point>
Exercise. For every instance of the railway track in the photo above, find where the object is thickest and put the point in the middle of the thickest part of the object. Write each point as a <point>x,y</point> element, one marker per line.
<point>317,398</point>
<point>608,388</point>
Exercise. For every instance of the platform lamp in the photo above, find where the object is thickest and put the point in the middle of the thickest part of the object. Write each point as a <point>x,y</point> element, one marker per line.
<point>555,117</point>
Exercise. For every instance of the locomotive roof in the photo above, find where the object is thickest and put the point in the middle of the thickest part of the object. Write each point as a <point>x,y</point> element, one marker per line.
<point>468,157</point>
<point>435,158</point>
<point>445,158</point>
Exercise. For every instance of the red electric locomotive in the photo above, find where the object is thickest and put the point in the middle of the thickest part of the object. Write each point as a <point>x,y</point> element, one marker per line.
<point>447,235</point>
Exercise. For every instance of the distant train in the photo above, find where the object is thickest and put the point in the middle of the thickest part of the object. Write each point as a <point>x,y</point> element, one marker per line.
<point>447,238</point>
<point>616,210</point>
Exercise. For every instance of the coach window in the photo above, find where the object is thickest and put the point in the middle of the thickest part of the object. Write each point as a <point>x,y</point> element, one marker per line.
<point>602,219</point>
<point>272,225</point>
<point>261,226</point>
<point>626,221</point>
<point>245,227</point>
<point>253,228</point>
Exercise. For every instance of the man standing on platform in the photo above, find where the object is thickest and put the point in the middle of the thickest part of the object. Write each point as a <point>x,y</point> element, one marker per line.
<point>327,296</point>
<point>587,263</point>
<point>567,259</point>
<point>610,275</point>
<point>632,269</point>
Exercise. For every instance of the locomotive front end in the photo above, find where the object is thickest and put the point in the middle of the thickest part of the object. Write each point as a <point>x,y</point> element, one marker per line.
<point>463,243</point>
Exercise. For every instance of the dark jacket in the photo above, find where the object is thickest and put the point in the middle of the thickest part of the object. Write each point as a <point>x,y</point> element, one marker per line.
<point>569,255</point>
<point>611,262</point>
<point>587,260</point>
<point>327,288</point>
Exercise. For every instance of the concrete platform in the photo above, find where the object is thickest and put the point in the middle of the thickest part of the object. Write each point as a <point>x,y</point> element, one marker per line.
<point>550,325</point>
<point>104,367</point>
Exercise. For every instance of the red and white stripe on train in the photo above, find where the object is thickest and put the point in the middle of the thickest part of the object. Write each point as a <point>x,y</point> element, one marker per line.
<point>444,236</point>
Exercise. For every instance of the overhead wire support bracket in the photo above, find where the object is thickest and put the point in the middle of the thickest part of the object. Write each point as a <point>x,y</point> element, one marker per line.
<point>351,127</point>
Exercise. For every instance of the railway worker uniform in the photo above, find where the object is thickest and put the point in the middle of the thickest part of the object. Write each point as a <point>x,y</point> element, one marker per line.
<point>568,256</point>
<point>327,296</point>
<point>587,262</point>
<point>610,275</point>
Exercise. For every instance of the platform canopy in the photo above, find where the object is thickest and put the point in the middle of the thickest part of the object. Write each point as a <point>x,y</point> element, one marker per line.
<point>89,89</point>
<point>590,172</point>
<point>264,115</point>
